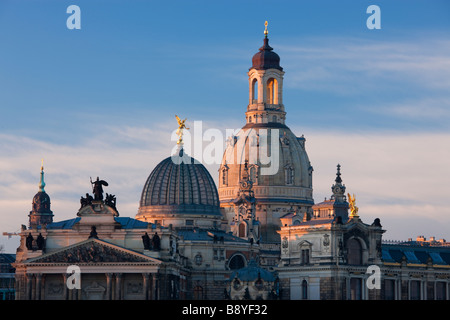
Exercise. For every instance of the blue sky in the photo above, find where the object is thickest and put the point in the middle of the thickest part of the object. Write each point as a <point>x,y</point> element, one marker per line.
<point>102,100</point>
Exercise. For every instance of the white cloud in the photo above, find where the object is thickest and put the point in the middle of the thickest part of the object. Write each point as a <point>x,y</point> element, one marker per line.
<point>429,108</point>
<point>345,65</point>
<point>400,178</point>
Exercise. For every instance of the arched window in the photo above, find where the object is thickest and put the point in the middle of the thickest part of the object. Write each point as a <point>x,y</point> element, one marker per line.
<point>253,174</point>
<point>236,262</point>
<point>354,252</point>
<point>272,91</point>
<point>304,290</point>
<point>254,98</point>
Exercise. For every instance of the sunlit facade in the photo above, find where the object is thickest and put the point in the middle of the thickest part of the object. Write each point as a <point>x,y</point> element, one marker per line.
<point>254,236</point>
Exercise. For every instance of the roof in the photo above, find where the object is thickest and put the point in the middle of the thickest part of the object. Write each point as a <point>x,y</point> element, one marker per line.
<point>316,221</point>
<point>125,222</point>
<point>130,223</point>
<point>253,272</point>
<point>327,203</point>
<point>415,254</point>
<point>195,234</point>
<point>266,58</point>
<point>65,224</point>
<point>7,257</point>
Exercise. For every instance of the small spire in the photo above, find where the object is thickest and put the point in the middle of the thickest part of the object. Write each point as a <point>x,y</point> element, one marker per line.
<point>338,174</point>
<point>266,32</point>
<point>41,182</point>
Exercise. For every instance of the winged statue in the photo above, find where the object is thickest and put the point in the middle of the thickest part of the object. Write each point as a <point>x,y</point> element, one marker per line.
<point>181,127</point>
<point>353,207</point>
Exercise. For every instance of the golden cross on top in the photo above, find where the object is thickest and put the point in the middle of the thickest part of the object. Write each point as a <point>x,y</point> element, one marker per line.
<point>266,32</point>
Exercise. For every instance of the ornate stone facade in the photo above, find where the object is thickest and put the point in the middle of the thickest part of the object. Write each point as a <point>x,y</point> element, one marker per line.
<point>259,236</point>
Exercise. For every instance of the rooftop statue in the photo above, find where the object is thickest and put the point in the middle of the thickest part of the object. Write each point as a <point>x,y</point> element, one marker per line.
<point>97,188</point>
<point>181,127</point>
<point>353,207</point>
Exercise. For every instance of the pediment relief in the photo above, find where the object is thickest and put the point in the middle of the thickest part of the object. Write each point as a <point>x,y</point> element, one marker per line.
<point>93,251</point>
<point>97,208</point>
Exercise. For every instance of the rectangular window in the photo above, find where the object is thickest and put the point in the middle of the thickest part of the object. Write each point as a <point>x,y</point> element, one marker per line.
<point>414,287</point>
<point>305,256</point>
<point>189,222</point>
<point>389,289</point>
<point>355,289</point>
<point>441,293</point>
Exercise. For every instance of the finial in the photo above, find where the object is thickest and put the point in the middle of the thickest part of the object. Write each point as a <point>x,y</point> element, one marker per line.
<point>41,182</point>
<point>338,174</point>
<point>181,127</point>
<point>266,32</point>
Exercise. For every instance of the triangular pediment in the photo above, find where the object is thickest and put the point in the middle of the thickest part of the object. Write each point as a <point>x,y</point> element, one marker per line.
<point>93,251</point>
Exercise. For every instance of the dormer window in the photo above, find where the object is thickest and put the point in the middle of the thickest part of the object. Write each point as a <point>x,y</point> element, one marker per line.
<point>289,175</point>
<point>225,176</point>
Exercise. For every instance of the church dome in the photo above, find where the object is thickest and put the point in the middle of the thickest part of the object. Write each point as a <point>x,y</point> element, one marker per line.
<point>41,203</point>
<point>179,185</point>
<point>266,58</point>
<point>40,213</point>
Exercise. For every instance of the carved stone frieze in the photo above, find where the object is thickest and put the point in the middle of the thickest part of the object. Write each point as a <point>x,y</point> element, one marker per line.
<point>91,252</point>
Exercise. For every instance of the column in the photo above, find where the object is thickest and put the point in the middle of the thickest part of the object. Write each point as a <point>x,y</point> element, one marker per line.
<point>29,286</point>
<point>155,286</point>
<point>109,286</point>
<point>66,289</point>
<point>348,289</point>
<point>146,278</point>
<point>118,286</point>
<point>447,291</point>
<point>38,286</point>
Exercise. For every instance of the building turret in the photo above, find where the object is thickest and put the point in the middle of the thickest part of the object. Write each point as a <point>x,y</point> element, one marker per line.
<point>40,213</point>
<point>274,157</point>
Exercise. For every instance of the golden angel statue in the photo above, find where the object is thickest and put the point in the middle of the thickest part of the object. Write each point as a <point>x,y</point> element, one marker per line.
<point>181,127</point>
<point>353,208</point>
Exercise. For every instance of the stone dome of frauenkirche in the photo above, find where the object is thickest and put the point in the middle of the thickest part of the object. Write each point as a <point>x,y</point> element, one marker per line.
<point>277,161</point>
<point>179,185</point>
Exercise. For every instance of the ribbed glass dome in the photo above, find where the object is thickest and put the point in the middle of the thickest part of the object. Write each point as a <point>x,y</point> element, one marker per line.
<point>180,184</point>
